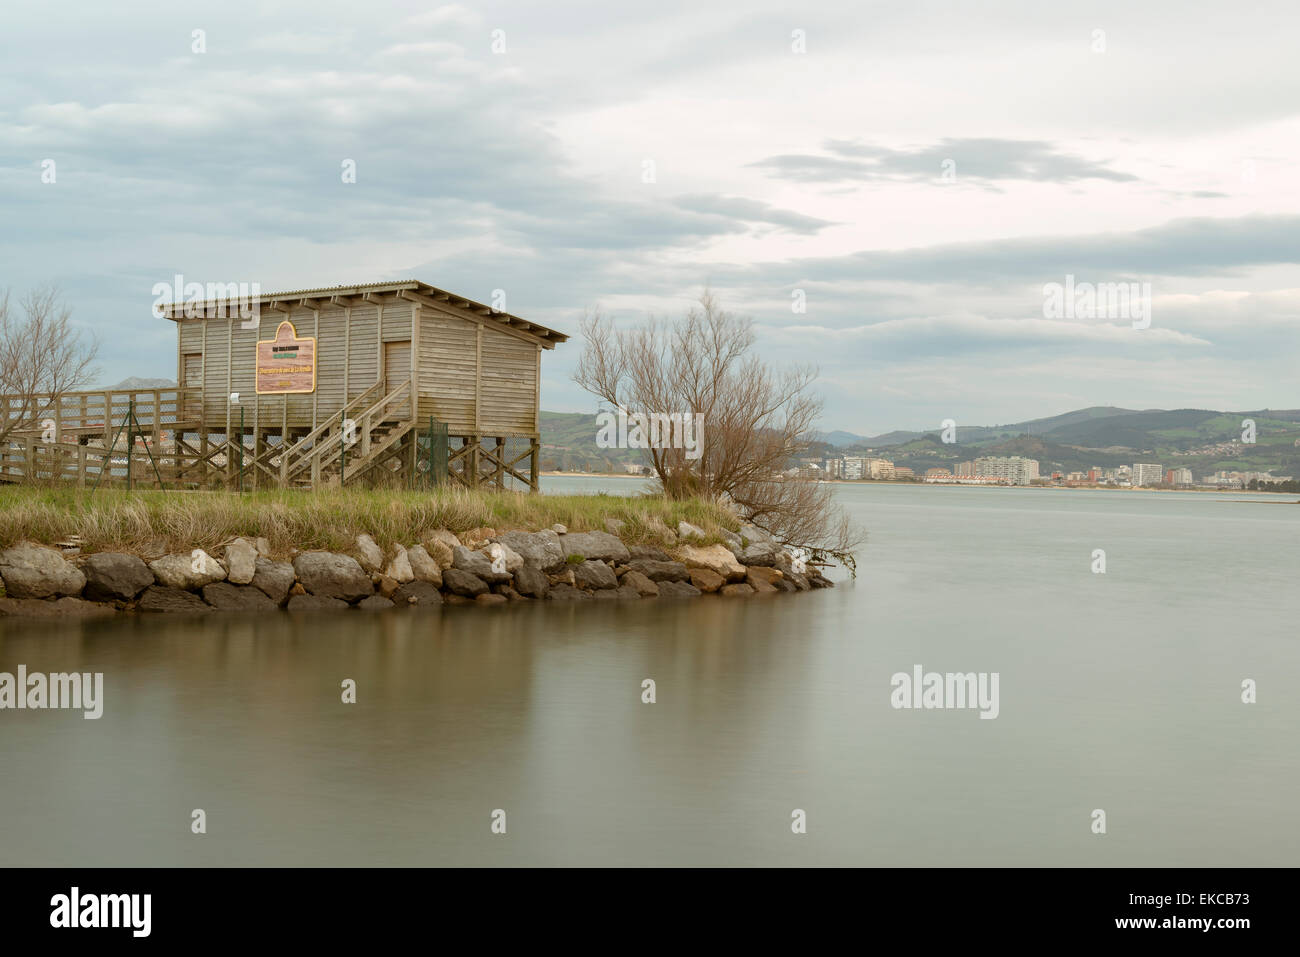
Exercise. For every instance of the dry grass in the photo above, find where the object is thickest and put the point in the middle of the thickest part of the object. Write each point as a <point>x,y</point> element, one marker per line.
<point>144,521</point>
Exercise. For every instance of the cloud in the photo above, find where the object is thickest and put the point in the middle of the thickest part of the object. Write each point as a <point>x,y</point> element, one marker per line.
<point>982,160</point>
<point>751,211</point>
<point>1184,247</point>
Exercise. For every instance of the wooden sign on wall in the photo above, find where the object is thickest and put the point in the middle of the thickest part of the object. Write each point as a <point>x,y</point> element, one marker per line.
<point>286,364</point>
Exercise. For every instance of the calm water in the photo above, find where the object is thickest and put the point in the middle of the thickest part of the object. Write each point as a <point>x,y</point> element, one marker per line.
<point>1118,691</point>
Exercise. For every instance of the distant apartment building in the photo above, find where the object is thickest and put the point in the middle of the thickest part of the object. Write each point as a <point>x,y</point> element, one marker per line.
<point>1178,477</point>
<point>964,470</point>
<point>1013,469</point>
<point>1224,479</point>
<point>1144,473</point>
<point>902,471</point>
<point>1094,475</point>
<point>834,468</point>
<point>852,468</point>
<point>879,469</point>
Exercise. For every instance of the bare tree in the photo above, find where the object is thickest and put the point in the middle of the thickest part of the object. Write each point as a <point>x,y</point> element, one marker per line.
<point>42,357</point>
<point>754,420</point>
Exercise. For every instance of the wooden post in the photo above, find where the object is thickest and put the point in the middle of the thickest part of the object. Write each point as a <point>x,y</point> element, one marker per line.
<point>534,479</point>
<point>284,445</point>
<point>230,350</point>
<point>415,366</point>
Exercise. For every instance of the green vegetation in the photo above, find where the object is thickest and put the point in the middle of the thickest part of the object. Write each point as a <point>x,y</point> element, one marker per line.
<point>177,521</point>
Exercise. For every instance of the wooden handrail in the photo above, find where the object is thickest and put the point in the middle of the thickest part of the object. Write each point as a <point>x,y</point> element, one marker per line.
<point>320,430</point>
<point>330,444</point>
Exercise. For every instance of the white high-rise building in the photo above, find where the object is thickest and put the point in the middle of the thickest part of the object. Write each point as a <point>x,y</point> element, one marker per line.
<point>1145,473</point>
<point>1014,469</point>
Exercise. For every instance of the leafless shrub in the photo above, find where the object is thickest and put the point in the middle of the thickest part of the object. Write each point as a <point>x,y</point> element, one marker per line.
<point>756,419</point>
<point>42,357</point>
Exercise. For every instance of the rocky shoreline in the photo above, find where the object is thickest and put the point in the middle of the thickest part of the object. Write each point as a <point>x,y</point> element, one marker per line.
<point>478,566</point>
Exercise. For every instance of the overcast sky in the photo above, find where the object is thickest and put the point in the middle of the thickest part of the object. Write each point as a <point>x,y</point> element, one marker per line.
<point>919,171</point>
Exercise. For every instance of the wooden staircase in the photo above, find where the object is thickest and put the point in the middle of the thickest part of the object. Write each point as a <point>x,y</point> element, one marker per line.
<point>371,432</point>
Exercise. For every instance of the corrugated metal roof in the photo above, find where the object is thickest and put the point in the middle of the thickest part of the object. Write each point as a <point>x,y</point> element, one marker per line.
<point>396,285</point>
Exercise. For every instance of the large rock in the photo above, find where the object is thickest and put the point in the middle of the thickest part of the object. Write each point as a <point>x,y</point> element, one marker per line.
<point>687,530</point>
<point>477,564</point>
<point>30,571</point>
<point>658,571</point>
<point>399,566</point>
<point>650,552</point>
<point>191,571</point>
<point>328,575</point>
<point>594,575</point>
<point>706,580</point>
<point>532,581</point>
<point>439,545</point>
<point>369,555</point>
<point>539,549</point>
<point>273,579</point>
<point>758,553</point>
<point>677,590</point>
<point>423,566</point>
<point>769,576</point>
<point>499,550</point>
<point>224,596</point>
<point>460,582</point>
<point>736,591</point>
<point>761,584</point>
<point>716,558</point>
<point>241,561</point>
<point>375,603</point>
<point>598,545</point>
<point>114,576</point>
<point>564,592</point>
<point>315,603</point>
<point>644,587</point>
<point>417,593</point>
<point>165,598</point>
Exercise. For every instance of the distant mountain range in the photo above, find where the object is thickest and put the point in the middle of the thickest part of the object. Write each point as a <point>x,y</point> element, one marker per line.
<point>1200,439</point>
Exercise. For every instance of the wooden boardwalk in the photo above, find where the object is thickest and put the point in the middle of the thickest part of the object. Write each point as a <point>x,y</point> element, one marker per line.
<point>153,437</point>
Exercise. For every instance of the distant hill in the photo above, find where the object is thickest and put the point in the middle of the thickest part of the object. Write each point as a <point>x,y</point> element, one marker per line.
<point>135,382</point>
<point>840,438</point>
<point>569,444</point>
